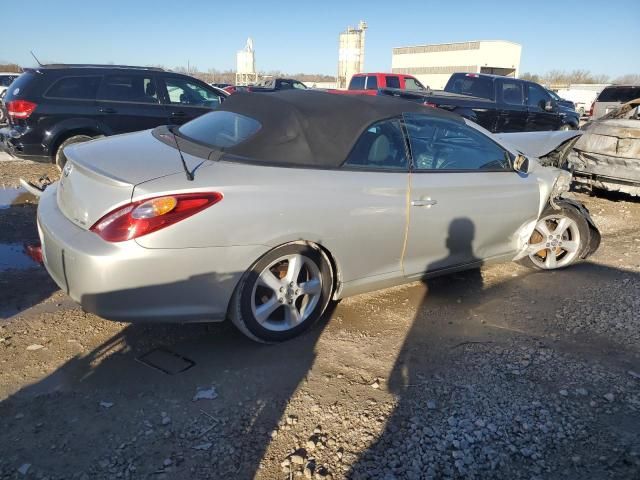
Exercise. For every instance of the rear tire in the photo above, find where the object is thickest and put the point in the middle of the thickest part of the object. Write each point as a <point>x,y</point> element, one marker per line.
<point>282,294</point>
<point>560,239</point>
<point>60,158</point>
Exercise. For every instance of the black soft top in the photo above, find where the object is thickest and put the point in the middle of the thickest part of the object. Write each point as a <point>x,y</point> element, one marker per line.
<point>312,128</point>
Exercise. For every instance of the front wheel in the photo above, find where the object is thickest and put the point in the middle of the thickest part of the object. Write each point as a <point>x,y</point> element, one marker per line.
<point>566,127</point>
<point>559,239</point>
<point>282,294</point>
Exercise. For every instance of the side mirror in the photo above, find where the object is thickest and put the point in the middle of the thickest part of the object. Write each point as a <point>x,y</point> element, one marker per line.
<point>521,164</point>
<point>549,106</point>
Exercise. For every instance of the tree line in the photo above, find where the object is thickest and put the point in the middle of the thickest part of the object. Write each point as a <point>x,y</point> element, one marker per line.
<point>561,77</point>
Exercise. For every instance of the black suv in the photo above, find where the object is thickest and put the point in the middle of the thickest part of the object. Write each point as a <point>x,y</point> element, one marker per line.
<point>53,106</point>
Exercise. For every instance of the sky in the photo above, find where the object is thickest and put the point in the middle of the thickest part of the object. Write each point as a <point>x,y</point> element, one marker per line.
<point>302,37</point>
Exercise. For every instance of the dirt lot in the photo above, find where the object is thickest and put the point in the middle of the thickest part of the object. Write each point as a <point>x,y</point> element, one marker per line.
<point>499,373</point>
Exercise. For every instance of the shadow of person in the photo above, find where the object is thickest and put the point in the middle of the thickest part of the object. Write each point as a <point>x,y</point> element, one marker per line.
<point>108,414</point>
<point>476,376</point>
<point>446,284</point>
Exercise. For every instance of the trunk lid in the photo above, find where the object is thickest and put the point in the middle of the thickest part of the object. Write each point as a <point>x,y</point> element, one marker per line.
<point>100,175</point>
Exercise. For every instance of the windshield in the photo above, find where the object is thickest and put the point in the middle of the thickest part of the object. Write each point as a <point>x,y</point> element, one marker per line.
<point>413,84</point>
<point>19,85</point>
<point>554,95</point>
<point>220,129</point>
<point>619,94</point>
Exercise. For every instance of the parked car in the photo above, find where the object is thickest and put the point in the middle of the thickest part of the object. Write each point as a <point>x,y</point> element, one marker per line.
<point>607,155</point>
<point>221,85</point>
<point>6,78</point>
<point>275,84</point>
<point>274,205</point>
<point>369,83</point>
<point>611,97</point>
<point>53,106</point>
<point>499,104</point>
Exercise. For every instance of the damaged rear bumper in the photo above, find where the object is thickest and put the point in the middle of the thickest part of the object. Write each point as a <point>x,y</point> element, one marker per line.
<point>607,172</point>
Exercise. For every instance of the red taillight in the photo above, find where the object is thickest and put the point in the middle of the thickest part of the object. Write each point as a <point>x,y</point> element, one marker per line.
<point>20,108</point>
<point>145,216</point>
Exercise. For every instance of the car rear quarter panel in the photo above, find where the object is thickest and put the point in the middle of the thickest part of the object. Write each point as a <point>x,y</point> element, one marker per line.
<point>359,217</point>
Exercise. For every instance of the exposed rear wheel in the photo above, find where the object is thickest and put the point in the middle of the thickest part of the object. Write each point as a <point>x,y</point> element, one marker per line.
<point>558,240</point>
<point>283,294</point>
<point>60,158</point>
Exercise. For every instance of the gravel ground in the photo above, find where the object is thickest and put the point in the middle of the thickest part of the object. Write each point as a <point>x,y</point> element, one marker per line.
<point>498,373</point>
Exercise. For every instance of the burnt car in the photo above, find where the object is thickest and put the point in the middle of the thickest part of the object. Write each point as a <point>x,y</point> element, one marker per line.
<point>607,154</point>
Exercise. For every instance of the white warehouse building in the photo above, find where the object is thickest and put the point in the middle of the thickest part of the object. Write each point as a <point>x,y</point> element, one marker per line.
<point>434,64</point>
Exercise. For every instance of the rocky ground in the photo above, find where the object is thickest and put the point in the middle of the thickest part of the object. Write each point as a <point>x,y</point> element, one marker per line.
<point>502,373</point>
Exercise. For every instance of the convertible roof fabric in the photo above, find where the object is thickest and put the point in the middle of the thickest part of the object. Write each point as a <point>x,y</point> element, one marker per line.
<point>312,128</point>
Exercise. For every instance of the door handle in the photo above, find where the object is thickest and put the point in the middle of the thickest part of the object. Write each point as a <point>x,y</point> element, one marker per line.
<point>424,203</point>
<point>106,110</point>
<point>178,114</point>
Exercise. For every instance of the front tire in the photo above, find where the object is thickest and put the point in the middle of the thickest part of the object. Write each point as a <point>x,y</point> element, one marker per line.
<point>283,293</point>
<point>566,127</point>
<point>60,158</point>
<point>560,238</point>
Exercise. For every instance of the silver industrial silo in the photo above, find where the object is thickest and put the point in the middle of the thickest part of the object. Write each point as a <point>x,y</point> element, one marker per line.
<point>351,53</point>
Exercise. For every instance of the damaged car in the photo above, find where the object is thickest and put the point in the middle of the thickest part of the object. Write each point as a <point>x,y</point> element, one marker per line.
<point>269,208</point>
<point>607,154</point>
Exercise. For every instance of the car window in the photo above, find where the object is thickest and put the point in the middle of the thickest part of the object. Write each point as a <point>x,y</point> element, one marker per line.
<point>438,144</point>
<point>413,84</point>
<point>220,129</point>
<point>470,84</point>
<point>186,92</point>
<point>284,85</point>
<point>299,85</point>
<point>554,95</point>
<point>128,88</point>
<point>357,83</point>
<point>81,88</point>
<point>512,92</point>
<point>537,96</point>
<point>6,80</point>
<point>393,82</point>
<point>619,94</point>
<point>381,146</point>
<point>372,83</point>
<point>21,85</point>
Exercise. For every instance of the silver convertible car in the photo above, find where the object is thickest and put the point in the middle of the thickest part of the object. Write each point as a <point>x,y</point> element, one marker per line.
<point>272,206</point>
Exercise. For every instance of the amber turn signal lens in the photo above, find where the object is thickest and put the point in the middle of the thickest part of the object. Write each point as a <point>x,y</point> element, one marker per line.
<point>154,207</point>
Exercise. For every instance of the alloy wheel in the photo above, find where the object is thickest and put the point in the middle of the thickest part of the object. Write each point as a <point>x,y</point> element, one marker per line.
<point>555,242</point>
<point>286,292</point>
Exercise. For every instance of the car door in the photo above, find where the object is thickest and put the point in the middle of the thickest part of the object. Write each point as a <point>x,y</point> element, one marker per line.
<point>186,98</point>
<point>466,202</point>
<point>374,182</point>
<point>538,117</point>
<point>129,102</point>
<point>512,111</point>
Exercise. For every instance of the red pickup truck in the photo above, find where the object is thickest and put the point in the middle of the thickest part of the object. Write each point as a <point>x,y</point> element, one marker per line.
<point>369,83</point>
